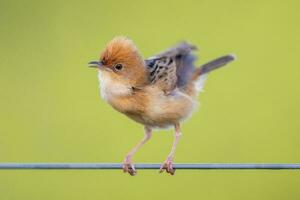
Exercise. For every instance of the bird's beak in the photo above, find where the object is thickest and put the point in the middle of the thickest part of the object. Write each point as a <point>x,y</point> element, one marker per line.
<point>95,64</point>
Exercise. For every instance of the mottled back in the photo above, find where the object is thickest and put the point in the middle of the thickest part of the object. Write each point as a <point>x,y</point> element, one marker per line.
<point>171,68</point>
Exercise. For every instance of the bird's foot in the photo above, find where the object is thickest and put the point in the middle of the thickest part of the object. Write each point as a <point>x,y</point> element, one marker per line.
<point>168,166</point>
<point>129,167</point>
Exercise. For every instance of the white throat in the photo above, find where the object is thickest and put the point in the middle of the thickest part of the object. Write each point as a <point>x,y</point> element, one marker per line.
<point>110,88</point>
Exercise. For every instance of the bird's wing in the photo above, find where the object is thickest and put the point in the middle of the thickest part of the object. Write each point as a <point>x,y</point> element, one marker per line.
<point>171,68</point>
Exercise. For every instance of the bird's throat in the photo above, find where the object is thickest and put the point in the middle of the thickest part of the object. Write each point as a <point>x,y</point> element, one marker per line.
<point>111,88</point>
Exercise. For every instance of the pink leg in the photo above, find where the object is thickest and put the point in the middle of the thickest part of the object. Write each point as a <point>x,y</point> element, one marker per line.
<point>128,164</point>
<point>168,164</point>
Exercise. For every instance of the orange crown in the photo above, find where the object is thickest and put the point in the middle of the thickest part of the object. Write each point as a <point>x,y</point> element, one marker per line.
<point>121,50</point>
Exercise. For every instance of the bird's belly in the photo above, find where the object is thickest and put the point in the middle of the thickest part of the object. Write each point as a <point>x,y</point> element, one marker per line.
<point>166,110</point>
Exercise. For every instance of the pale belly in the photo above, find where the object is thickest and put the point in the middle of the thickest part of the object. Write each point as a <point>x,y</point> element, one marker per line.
<point>164,111</point>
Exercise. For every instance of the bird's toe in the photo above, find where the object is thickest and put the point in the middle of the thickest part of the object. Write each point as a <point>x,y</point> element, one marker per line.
<point>129,168</point>
<point>168,166</point>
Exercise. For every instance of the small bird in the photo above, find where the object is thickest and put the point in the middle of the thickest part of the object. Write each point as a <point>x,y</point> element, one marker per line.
<point>158,92</point>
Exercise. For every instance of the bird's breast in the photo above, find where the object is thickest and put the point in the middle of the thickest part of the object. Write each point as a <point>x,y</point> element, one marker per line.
<point>109,88</point>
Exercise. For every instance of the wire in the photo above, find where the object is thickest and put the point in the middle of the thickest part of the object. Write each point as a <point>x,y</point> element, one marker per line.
<point>187,166</point>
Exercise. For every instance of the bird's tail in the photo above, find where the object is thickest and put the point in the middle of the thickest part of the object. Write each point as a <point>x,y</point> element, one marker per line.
<point>200,74</point>
<point>212,65</point>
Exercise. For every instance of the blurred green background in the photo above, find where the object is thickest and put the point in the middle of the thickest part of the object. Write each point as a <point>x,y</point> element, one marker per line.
<point>51,111</point>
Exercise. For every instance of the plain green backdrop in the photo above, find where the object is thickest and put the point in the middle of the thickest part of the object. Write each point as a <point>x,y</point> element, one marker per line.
<point>51,111</point>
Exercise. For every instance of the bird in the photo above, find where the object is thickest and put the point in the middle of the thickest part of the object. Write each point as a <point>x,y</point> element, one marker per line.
<point>158,92</point>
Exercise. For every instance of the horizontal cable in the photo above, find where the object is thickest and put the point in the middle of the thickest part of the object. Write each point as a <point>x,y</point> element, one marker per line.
<point>149,166</point>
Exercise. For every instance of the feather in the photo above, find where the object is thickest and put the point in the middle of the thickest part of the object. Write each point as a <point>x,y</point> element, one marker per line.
<point>172,68</point>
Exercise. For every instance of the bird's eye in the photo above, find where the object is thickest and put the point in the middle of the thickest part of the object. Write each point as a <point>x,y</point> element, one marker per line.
<point>118,67</point>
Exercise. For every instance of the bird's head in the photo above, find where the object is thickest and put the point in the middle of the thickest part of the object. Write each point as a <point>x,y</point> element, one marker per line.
<point>122,62</point>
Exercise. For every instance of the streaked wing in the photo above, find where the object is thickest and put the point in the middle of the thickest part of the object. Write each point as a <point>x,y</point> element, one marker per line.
<point>162,71</point>
<point>171,68</point>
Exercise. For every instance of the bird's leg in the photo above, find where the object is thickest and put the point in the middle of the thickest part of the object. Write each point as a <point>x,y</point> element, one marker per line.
<point>168,164</point>
<point>128,164</point>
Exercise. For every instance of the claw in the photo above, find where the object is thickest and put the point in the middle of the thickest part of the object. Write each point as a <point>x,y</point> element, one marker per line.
<point>168,166</point>
<point>129,167</point>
